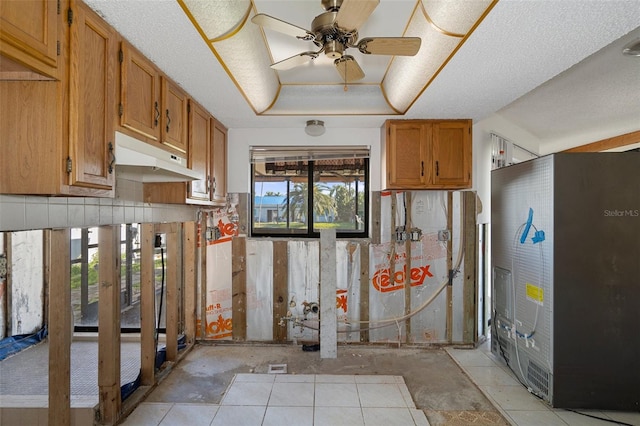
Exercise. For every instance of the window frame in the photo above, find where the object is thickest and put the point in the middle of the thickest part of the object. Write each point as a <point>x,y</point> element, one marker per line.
<point>310,232</point>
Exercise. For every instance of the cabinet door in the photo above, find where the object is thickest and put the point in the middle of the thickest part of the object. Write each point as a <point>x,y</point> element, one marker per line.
<point>91,99</point>
<point>452,154</point>
<point>407,145</point>
<point>199,146</point>
<point>219,162</point>
<point>139,94</point>
<point>174,116</point>
<point>28,33</point>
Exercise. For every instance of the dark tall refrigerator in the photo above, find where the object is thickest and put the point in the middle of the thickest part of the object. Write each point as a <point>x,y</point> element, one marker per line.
<point>565,256</point>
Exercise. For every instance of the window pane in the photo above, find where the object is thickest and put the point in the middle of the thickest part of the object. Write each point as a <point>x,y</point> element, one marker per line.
<point>302,197</point>
<point>280,199</point>
<point>338,196</point>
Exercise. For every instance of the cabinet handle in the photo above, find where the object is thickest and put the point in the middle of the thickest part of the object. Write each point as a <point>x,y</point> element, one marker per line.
<point>437,168</point>
<point>156,120</point>
<point>168,121</point>
<point>422,168</point>
<point>113,158</point>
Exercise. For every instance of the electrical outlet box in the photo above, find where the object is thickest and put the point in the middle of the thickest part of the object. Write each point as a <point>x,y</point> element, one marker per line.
<point>444,235</point>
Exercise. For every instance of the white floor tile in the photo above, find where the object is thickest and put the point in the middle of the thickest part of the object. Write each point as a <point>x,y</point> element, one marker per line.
<point>148,414</point>
<point>247,393</point>
<point>292,395</point>
<point>471,358</point>
<point>247,415</point>
<point>295,378</point>
<point>408,399</point>
<point>380,395</point>
<point>335,378</point>
<point>575,419</point>
<point>190,415</point>
<point>378,379</point>
<point>338,416</point>
<point>289,416</point>
<point>632,418</point>
<point>336,395</point>
<point>535,418</point>
<point>490,376</point>
<point>419,417</point>
<point>387,416</point>
<point>513,398</point>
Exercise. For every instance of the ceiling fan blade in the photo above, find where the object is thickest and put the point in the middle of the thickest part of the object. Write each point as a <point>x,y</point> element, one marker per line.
<point>349,69</point>
<point>294,61</point>
<point>399,46</point>
<point>281,26</point>
<point>353,13</point>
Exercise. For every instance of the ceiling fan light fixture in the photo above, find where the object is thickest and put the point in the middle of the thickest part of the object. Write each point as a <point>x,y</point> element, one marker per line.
<point>314,128</point>
<point>632,48</point>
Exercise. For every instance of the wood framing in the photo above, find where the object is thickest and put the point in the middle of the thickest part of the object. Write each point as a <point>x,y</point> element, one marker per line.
<point>609,143</point>
<point>109,324</point>
<point>364,291</point>
<point>375,216</point>
<point>280,290</point>
<point>147,306</point>
<point>57,255</point>
<point>469,292</point>
<point>172,284</point>
<point>189,277</point>
<point>239,287</point>
<point>202,248</point>
<point>449,323</point>
<point>407,276</point>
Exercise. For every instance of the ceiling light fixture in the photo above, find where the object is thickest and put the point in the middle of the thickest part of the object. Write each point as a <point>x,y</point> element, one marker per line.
<point>314,128</point>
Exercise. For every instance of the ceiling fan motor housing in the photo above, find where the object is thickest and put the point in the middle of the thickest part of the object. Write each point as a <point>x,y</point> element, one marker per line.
<point>328,35</point>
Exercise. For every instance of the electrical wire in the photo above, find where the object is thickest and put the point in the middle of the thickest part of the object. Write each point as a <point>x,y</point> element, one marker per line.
<point>161,297</point>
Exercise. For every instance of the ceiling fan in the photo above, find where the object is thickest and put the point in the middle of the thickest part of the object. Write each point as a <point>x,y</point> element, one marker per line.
<point>334,31</point>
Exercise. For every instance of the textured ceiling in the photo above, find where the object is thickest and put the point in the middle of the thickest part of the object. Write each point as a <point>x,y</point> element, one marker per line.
<point>504,67</point>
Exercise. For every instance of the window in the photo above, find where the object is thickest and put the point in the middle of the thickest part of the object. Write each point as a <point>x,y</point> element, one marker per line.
<point>299,191</point>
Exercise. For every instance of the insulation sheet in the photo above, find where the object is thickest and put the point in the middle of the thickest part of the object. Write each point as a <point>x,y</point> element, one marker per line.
<point>259,290</point>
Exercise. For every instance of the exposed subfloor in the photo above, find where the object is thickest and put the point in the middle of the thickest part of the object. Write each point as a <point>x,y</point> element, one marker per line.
<point>436,383</point>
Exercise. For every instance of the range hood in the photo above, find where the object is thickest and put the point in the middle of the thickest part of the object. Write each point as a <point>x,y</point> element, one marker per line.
<point>142,162</point>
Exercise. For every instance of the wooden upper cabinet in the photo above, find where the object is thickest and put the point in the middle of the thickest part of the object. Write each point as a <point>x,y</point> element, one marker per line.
<point>452,154</point>
<point>174,116</point>
<point>92,97</point>
<point>199,151</point>
<point>407,146</point>
<point>219,162</point>
<point>28,38</point>
<point>140,107</point>
<point>427,154</point>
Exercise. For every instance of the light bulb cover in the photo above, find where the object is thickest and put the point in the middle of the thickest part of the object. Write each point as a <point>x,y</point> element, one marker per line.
<point>314,127</point>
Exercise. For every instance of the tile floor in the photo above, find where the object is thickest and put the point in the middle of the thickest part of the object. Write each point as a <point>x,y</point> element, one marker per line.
<point>494,378</point>
<point>295,400</point>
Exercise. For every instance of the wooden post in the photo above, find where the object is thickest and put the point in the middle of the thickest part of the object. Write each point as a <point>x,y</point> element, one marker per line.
<point>449,323</point>
<point>470,324</point>
<point>280,290</point>
<point>109,324</point>
<point>202,241</point>
<point>189,250</point>
<point>364,291</point>
<point>147,305</point>
<point>376,212</point>
<point>239,287</point>
<point>172,298</point>
<point>407,275</point>
<point>58,261</point>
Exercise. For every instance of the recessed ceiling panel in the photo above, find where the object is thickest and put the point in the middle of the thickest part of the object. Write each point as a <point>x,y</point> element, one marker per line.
<point>330,100</point>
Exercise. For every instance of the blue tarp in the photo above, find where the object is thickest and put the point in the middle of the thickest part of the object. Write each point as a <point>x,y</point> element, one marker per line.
<point>14,344</point>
